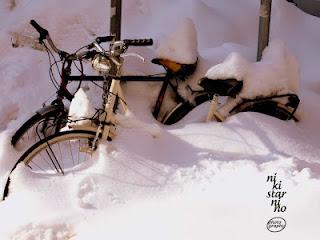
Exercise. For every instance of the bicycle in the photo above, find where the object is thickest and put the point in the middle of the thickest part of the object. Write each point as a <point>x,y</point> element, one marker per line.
<point>78,143</point>
<point>105,62</point>
<point>283,109</point>
<point>50,119</point>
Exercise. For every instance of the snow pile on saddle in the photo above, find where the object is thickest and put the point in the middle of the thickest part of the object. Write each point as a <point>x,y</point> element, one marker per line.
<point>276,73</point>
<point>235,66</point>
<point>180,46</point>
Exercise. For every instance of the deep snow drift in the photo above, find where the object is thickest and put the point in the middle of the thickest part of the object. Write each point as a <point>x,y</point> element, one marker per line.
<point>192,180</point>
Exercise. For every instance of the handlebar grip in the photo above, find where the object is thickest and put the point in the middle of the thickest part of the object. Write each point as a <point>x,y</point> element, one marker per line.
<point>138,42</point>
<point>43,32</point>
<point>104,39</point>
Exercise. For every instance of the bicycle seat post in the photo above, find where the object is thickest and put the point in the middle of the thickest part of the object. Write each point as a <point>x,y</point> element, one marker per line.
<point>213,110</point>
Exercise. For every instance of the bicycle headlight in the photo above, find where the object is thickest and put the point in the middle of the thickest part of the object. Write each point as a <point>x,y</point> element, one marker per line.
<point>101,63</point>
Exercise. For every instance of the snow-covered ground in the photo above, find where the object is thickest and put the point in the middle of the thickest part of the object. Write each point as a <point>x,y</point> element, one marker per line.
<point>191,180</point>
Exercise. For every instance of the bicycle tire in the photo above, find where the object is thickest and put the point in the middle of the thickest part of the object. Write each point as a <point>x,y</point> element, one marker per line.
<point>183,108</point>
<point>272,109</point>
<point>177,113</point>
<point>46,146</point>
<point>56,113</point>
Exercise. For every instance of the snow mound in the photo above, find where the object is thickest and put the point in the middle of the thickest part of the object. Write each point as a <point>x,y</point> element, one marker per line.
<point>80,107</point>
<point>277,73</point>
<point>180,46</point>
<point>235,66</point>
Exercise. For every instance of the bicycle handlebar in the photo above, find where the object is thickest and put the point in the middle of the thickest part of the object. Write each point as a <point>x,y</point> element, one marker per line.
<point>43,32</point>
<point>104,39</point>
<point>138,42</point>
<point>99,40</point>
<point>81,55</point>
<point>44,35</point>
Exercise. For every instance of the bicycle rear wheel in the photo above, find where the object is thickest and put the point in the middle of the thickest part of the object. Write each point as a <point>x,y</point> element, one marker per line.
<point>57,154</point>
<point>44,122</point>
<point>270,108</point>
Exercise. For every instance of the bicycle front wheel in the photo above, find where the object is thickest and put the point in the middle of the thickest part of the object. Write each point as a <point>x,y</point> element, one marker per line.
<point>43,123</point>
<point>57,154</point>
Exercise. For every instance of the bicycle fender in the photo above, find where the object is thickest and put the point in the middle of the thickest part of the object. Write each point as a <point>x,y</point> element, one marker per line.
<point>47,109</point>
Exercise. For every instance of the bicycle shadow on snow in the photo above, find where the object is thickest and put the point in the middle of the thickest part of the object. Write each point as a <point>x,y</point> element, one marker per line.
<point>284,140</point>
<point>169,149</point>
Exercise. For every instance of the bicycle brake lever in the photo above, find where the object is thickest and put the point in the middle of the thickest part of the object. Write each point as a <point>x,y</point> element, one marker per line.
<point>133,55</point>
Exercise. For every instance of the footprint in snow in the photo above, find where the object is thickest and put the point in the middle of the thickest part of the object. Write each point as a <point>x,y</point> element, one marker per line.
<point>88,193</point>
<point>44,232</point>
<point>91,196</point>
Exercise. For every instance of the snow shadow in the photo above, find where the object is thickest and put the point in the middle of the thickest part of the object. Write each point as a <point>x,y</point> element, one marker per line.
<point>282,139</point>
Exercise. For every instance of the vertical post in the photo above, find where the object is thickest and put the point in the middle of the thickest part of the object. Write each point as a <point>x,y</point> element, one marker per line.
<point>115,19</point>
<point>264,26</point>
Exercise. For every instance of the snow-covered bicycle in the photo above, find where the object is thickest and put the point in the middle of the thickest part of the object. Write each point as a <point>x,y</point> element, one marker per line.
<point>50,119</point>
<point>64,150</point>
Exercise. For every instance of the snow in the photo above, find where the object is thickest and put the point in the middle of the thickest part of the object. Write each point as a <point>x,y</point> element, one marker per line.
<point>277,72</point>
<point>191,180</point>
<point>181,45</point>
<point>235,66</point>
<point>81,108</point>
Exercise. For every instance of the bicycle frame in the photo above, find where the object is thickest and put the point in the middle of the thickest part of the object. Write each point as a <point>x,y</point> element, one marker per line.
<point>63,91</point>
<point>213,111</point>
<point>106,128</point>
<point>66,78</point>
<point>290,107</point>
<point>166,79</point>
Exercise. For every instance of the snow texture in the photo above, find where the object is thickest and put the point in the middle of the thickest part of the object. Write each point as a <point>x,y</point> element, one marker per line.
<point>191,180</point>
<point>277,72</point>
<point>181,45</point>
<point>81,108</point>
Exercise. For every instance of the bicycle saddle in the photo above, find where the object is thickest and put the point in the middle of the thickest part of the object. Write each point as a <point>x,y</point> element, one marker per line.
<point>177,69</point>
<point>222,87</point>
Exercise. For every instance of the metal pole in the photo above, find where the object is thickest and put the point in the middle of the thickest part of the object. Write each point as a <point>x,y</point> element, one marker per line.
<point>115,19</point>
<point>264,26</point>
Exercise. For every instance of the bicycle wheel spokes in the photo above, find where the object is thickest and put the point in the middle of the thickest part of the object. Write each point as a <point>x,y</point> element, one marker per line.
<point>60,152</point>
